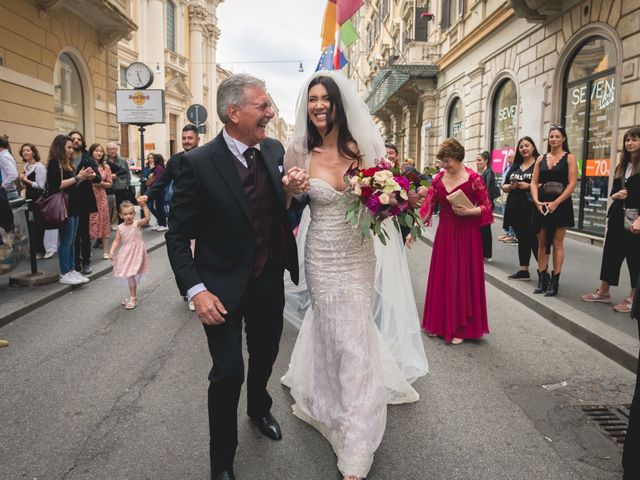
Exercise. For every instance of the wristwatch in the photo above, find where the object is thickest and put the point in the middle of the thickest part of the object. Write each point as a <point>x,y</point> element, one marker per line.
<point>77,178</point>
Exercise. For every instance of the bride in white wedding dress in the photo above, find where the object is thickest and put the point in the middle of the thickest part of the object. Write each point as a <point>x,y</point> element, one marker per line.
<point>343,371</point>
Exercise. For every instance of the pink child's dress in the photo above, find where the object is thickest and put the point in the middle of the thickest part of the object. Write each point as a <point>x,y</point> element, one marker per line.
<point>131,258</point>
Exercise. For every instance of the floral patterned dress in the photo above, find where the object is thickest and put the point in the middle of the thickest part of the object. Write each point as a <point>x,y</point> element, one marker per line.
<point>100,222</point>
<point>456,304</point>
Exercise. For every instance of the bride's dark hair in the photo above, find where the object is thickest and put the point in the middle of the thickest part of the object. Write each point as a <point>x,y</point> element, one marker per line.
<point>314,139</point>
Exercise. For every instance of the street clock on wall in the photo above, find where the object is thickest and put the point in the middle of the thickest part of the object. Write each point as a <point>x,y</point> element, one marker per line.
<point>139,75</point>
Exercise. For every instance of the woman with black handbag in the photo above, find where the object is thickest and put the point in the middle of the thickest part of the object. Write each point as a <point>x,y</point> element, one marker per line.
<point>555,176</point>
<point>62,178</point>
<point>620,242</point>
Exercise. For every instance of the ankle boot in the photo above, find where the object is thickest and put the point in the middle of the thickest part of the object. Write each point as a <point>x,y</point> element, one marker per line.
<point>554,284</point>
<point>543,282</point>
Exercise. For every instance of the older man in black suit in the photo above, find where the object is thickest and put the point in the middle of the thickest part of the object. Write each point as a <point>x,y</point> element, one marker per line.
<point>231,196</point>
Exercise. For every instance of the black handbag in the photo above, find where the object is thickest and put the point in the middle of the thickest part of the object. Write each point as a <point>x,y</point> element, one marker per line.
<point>553,189</point>
<point>52,209</point>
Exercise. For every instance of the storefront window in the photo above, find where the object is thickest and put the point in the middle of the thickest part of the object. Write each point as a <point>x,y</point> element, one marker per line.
<point>589,105</point>
<point>504,128</point>
<point>455,125</point>
<point>68,103</point>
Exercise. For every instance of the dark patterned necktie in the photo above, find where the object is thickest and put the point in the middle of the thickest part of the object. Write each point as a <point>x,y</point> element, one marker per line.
<point>250,156</point>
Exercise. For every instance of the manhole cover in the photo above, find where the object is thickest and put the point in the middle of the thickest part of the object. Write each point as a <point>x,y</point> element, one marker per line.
<point>612,420</point>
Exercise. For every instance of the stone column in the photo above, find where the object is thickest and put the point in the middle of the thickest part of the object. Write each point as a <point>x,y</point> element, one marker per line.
<point>197,17</point>
<point>153,52</point>
<point>213,34</point>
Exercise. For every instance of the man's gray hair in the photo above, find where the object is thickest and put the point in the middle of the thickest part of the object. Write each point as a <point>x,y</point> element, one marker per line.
<point>231,91</point>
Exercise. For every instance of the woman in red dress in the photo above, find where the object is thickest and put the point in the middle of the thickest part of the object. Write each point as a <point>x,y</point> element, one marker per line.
<point>455,306</point>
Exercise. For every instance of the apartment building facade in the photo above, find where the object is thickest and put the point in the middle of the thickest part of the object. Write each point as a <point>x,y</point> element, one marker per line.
<point>488,72</point>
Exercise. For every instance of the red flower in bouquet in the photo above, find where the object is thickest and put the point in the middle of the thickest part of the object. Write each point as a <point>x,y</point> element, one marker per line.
<point>379,193</point>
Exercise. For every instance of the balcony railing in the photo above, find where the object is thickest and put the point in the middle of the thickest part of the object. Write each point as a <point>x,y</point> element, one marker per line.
<point>176,62</point>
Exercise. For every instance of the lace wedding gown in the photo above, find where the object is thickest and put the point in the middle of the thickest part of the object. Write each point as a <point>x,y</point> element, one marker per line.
<point>342,374</point>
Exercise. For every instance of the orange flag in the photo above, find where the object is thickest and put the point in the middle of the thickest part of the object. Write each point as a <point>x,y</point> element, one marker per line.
<point>329,25</point>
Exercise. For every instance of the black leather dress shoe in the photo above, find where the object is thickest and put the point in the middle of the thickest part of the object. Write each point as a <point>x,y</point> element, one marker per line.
<point>224,475</point>
<point>268,426</point>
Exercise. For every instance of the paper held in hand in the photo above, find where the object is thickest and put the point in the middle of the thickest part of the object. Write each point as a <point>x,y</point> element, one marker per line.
<point>459,199</point>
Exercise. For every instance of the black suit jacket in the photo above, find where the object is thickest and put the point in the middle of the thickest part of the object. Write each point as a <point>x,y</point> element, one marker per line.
<point>156,191</point>
<point>86,199</point>
<point>209,204</point>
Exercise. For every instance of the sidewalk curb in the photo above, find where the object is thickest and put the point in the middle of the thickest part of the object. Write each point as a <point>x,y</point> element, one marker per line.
<point>618,346</point>
<point>8,317</point>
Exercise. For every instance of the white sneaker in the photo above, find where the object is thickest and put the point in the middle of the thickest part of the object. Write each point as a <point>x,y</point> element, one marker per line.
<point>161,229</point>
<point>70,279</point>
<point>79,276</point>
<point>49,254</point>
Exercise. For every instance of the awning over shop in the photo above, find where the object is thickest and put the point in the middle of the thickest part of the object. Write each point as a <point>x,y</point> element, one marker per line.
<point>390,80</point>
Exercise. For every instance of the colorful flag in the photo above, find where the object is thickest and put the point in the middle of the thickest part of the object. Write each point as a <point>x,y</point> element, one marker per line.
<point>337,33</point>
<point>348,34</point>
<point>327,60</point>
<point>346,9</point>
<point>329,25</point>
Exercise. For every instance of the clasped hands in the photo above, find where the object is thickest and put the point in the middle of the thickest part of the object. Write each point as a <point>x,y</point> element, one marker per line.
<point>295,181</point>
<point>546,207</point>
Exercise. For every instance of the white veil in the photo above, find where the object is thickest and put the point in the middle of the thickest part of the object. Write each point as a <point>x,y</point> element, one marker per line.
<point>395,310</point>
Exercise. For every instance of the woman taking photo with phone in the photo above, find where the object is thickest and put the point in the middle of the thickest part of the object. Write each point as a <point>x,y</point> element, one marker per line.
<point>555,176</point>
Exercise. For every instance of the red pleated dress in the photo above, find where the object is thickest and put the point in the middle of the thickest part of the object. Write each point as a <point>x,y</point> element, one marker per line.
<point>456,304</point>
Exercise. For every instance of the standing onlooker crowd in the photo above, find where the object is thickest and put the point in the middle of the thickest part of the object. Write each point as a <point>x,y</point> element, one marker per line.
<point>95,182</point>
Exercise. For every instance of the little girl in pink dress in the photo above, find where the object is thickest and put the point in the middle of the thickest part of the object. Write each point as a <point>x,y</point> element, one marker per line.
<point>131,260</point>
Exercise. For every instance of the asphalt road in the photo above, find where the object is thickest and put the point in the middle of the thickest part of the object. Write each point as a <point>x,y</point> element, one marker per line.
<point>90,391</point>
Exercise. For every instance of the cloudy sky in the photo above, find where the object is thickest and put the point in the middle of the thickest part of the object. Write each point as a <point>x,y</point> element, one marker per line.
<point>272,31</point>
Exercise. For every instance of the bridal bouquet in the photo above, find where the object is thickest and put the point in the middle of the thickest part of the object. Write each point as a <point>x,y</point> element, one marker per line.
<point>379,193</point>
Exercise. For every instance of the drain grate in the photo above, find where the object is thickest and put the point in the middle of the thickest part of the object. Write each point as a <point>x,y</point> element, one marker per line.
<point>612,420</point>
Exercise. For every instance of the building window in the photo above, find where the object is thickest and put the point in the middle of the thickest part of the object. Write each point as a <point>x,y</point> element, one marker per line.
<point>68,97</point>
<point>504,125</point>
<point>421,25</point>
<point>123,76</point>
<point>588,112</point>
<point>171,25</point>
<point>455,121</point>
<point>452,10</point>
<point>173,134</point>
